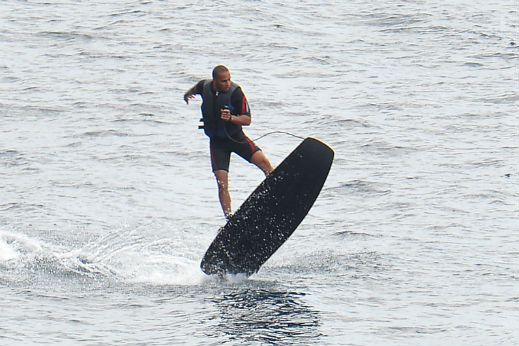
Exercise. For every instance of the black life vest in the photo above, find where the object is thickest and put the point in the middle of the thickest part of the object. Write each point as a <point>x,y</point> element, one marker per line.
<point>212,103</point>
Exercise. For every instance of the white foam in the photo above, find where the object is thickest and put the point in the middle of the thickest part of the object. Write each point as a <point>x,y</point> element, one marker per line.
<point>173,271</point>
<point>127,256</point>
<point>120,256</point>
<point>6,252</point>
<point>13,245</point>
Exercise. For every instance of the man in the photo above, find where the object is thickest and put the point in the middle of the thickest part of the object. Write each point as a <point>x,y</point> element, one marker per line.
<point>225,110</point>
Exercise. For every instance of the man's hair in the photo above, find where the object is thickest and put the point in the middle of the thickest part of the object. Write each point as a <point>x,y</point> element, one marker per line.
<point>219,69</point>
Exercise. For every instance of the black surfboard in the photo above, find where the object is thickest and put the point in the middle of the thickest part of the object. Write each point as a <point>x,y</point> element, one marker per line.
<point>271,213</point>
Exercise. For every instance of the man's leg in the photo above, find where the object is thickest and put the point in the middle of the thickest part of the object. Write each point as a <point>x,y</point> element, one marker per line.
<point>222,178</point>
<point>260,160</point>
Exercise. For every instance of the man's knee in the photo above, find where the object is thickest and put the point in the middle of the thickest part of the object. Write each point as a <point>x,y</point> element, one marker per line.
<point>258,157</point>
<point>261,160</point>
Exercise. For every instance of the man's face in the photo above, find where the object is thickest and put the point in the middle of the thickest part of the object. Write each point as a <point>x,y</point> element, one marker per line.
<point>222,81</point>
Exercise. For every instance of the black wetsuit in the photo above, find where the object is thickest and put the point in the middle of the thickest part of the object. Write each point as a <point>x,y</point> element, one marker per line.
<point>226,137</point>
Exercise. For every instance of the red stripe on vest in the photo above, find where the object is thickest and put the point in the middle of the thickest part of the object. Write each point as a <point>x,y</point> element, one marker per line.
<point>244,105</point>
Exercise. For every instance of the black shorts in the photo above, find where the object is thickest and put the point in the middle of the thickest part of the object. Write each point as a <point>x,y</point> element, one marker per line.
<point>221,149</point>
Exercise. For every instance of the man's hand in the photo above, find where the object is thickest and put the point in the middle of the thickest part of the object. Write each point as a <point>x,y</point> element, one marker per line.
<point>188,96</point>
<point>225,114</point>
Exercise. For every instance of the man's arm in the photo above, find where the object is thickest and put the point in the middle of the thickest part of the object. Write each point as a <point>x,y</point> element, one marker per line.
<point>190,94</point>
<point>242,119</point>
<point>241,112</point>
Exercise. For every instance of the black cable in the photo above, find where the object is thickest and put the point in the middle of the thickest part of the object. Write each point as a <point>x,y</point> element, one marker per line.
<point>282,132</point>
<point>260,137</point>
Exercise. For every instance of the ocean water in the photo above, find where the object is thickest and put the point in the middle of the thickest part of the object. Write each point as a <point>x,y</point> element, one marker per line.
<point>108,203</point>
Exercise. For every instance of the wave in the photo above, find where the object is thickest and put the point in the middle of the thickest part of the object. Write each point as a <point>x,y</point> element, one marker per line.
<point>120,256</point>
